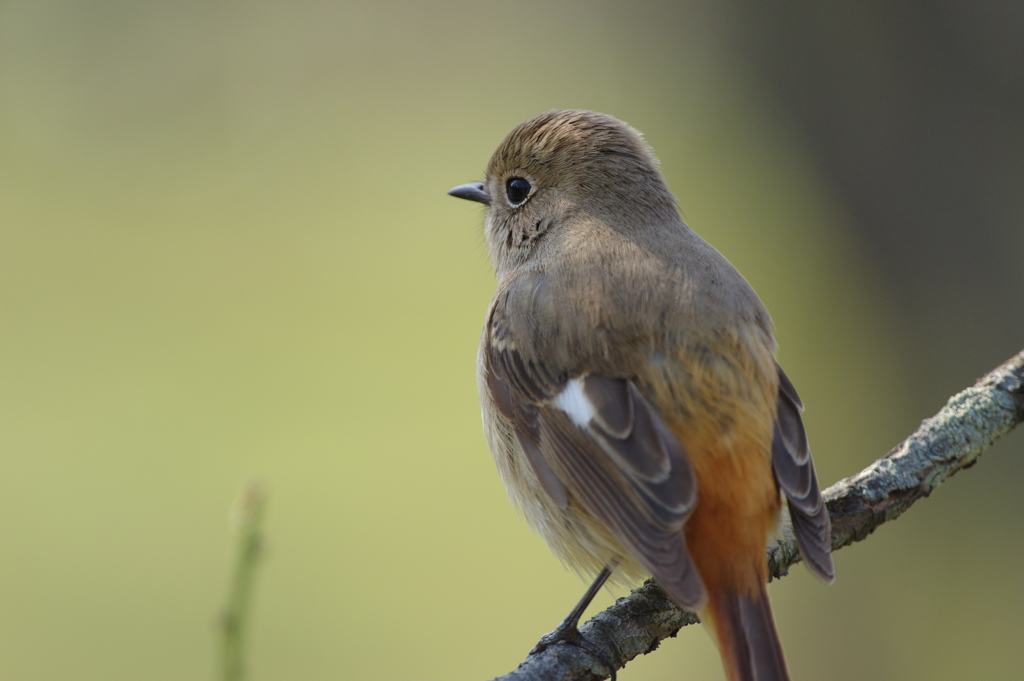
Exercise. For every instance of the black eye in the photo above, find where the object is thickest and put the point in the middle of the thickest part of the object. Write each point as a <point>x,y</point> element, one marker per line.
<point>517,189</point>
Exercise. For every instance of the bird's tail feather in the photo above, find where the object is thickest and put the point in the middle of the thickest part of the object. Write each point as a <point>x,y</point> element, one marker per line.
<point>745,631</point>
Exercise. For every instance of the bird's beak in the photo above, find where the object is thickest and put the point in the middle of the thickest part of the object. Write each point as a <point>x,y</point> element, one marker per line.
<point>474,191</point>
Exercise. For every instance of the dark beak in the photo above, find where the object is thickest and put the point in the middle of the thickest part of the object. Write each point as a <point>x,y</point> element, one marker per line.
<point>474,191</point>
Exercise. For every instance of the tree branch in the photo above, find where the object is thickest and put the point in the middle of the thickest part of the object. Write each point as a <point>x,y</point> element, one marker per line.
<point>948,442</point>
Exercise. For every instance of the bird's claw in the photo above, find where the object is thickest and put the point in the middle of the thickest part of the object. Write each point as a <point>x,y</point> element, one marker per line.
<point>567,632</point>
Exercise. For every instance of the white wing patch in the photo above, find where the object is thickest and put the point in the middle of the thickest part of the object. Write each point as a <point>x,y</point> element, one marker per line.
<point>574,403</point>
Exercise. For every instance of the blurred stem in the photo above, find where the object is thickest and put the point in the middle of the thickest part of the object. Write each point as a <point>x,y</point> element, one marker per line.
<point>247,514</point>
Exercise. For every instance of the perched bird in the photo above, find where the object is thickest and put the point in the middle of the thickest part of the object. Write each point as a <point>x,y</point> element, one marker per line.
<point>629,388</point>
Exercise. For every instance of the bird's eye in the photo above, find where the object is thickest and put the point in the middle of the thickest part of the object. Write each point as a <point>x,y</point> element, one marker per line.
<point>517,189</point>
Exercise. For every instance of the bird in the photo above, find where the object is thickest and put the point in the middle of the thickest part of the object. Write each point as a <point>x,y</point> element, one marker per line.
<point>629,387</point>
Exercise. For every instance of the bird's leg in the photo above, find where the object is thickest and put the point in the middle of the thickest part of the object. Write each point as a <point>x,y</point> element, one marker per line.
<point>568,631</point>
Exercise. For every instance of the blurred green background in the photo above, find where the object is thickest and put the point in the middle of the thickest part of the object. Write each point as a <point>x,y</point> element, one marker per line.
<point>226,251</point>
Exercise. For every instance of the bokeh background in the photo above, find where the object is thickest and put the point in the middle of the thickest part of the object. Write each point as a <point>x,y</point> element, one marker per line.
<point>226,251</point>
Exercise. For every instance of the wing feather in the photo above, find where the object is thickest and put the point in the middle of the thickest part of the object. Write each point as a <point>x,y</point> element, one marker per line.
<point>622,464</point>
<point>647,518</point>
<point>794,472</point>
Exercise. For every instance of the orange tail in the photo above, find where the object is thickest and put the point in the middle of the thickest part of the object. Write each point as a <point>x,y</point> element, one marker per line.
<point>745,631</point>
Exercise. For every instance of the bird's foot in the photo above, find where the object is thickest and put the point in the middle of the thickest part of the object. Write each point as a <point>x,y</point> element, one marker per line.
<point>568,632</point>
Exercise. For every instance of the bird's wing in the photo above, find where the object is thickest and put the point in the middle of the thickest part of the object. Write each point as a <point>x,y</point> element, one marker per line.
<point>794,471</point>
<point>596,441</point>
